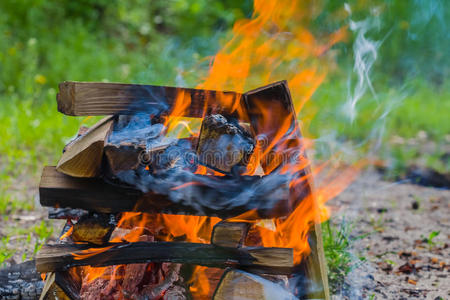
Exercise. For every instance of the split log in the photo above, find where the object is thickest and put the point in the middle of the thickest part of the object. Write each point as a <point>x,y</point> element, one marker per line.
<point>222,144</point>
<point>237,284</point>
<point>93,228</point>
<point>60,286</point>
<point>98,98</point>
<point>62,256</point>
<point>59,190</point>
<point>229,234</point>
<point>83,157</point>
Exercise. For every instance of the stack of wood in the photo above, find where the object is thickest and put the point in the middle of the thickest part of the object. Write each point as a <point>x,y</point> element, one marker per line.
<point>104,171</point>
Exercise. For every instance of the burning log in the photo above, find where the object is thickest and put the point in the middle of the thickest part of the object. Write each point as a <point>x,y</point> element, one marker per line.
<point>59,190</point>
<point>60,286</point>
<point>98,98</point>
<point>237,284</point>
<point>62,256</point>
<point>222,144</point>
<point>93,228</point>
<point>229,234</point>
<point>83,156</point>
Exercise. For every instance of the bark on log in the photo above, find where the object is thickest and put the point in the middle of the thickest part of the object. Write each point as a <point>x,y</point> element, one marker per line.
<point>62,256</point>
<point>83,157</point>
<point>98,98</point>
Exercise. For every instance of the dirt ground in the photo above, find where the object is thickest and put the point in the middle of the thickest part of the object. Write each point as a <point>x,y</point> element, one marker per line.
<point>401,231</point>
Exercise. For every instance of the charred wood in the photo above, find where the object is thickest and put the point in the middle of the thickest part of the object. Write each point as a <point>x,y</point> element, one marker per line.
<point>60,190</point>
<point>62,256</point>
<point>21,281</point>
<point>223,145</point>
<point>93,228</point>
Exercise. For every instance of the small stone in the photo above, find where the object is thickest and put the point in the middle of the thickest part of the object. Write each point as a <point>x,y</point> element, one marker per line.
<point>411,281</point>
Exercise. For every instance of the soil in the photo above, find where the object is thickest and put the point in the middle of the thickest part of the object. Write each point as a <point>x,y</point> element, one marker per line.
<point>400,239</point>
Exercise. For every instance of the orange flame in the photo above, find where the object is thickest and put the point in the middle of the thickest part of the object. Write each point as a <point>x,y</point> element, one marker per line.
<point>274,44</point>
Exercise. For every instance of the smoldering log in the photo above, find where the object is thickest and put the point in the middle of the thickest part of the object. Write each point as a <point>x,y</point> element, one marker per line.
<point>83,156</point>
<point>98,98</point>
<point>94,194</point>
<point>59,257</point>
<point>222,144</point>
<point>93,228</point>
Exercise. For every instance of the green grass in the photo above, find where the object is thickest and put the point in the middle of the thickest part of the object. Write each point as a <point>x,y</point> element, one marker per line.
<point>337,240</point>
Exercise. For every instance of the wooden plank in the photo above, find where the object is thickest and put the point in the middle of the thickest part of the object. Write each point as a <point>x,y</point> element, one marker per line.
<point>99,98</point>
<point>53,291</point>
<point>282,118</point>
<point>83,158</point>
<point>59,190</point>
<point>237,284</point>
<point>59,257</point>
<point>229,234</point>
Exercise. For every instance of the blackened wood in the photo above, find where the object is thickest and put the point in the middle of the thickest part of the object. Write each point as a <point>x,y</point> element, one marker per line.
<point>271,112</point>
<point>229,234</point>
<point>66,213</point>
<point>60,190</point>
<point>69,284</point>
<point>62,256</point>
<point>98,98</point>
<point>222,144</point>
<point>94,229</point>
<point>20,281</point>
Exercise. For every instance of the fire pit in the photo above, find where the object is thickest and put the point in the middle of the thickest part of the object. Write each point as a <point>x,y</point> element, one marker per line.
<point>182,193</point>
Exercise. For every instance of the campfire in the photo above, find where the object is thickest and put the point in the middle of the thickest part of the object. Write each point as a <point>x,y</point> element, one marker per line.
<point>182,193</point>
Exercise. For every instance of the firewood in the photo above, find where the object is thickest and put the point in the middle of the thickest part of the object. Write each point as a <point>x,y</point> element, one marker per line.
<point>237,284</point>
<point>65,213</point>
<point>282,113</point>
<point>229,234</point>
<point>62,256</point>
<point>84,156</point>
<point>98,98</point>
<point>59,190</point>
<point>222,144</point>
<point>60,286</point>
<point>93,228</point>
